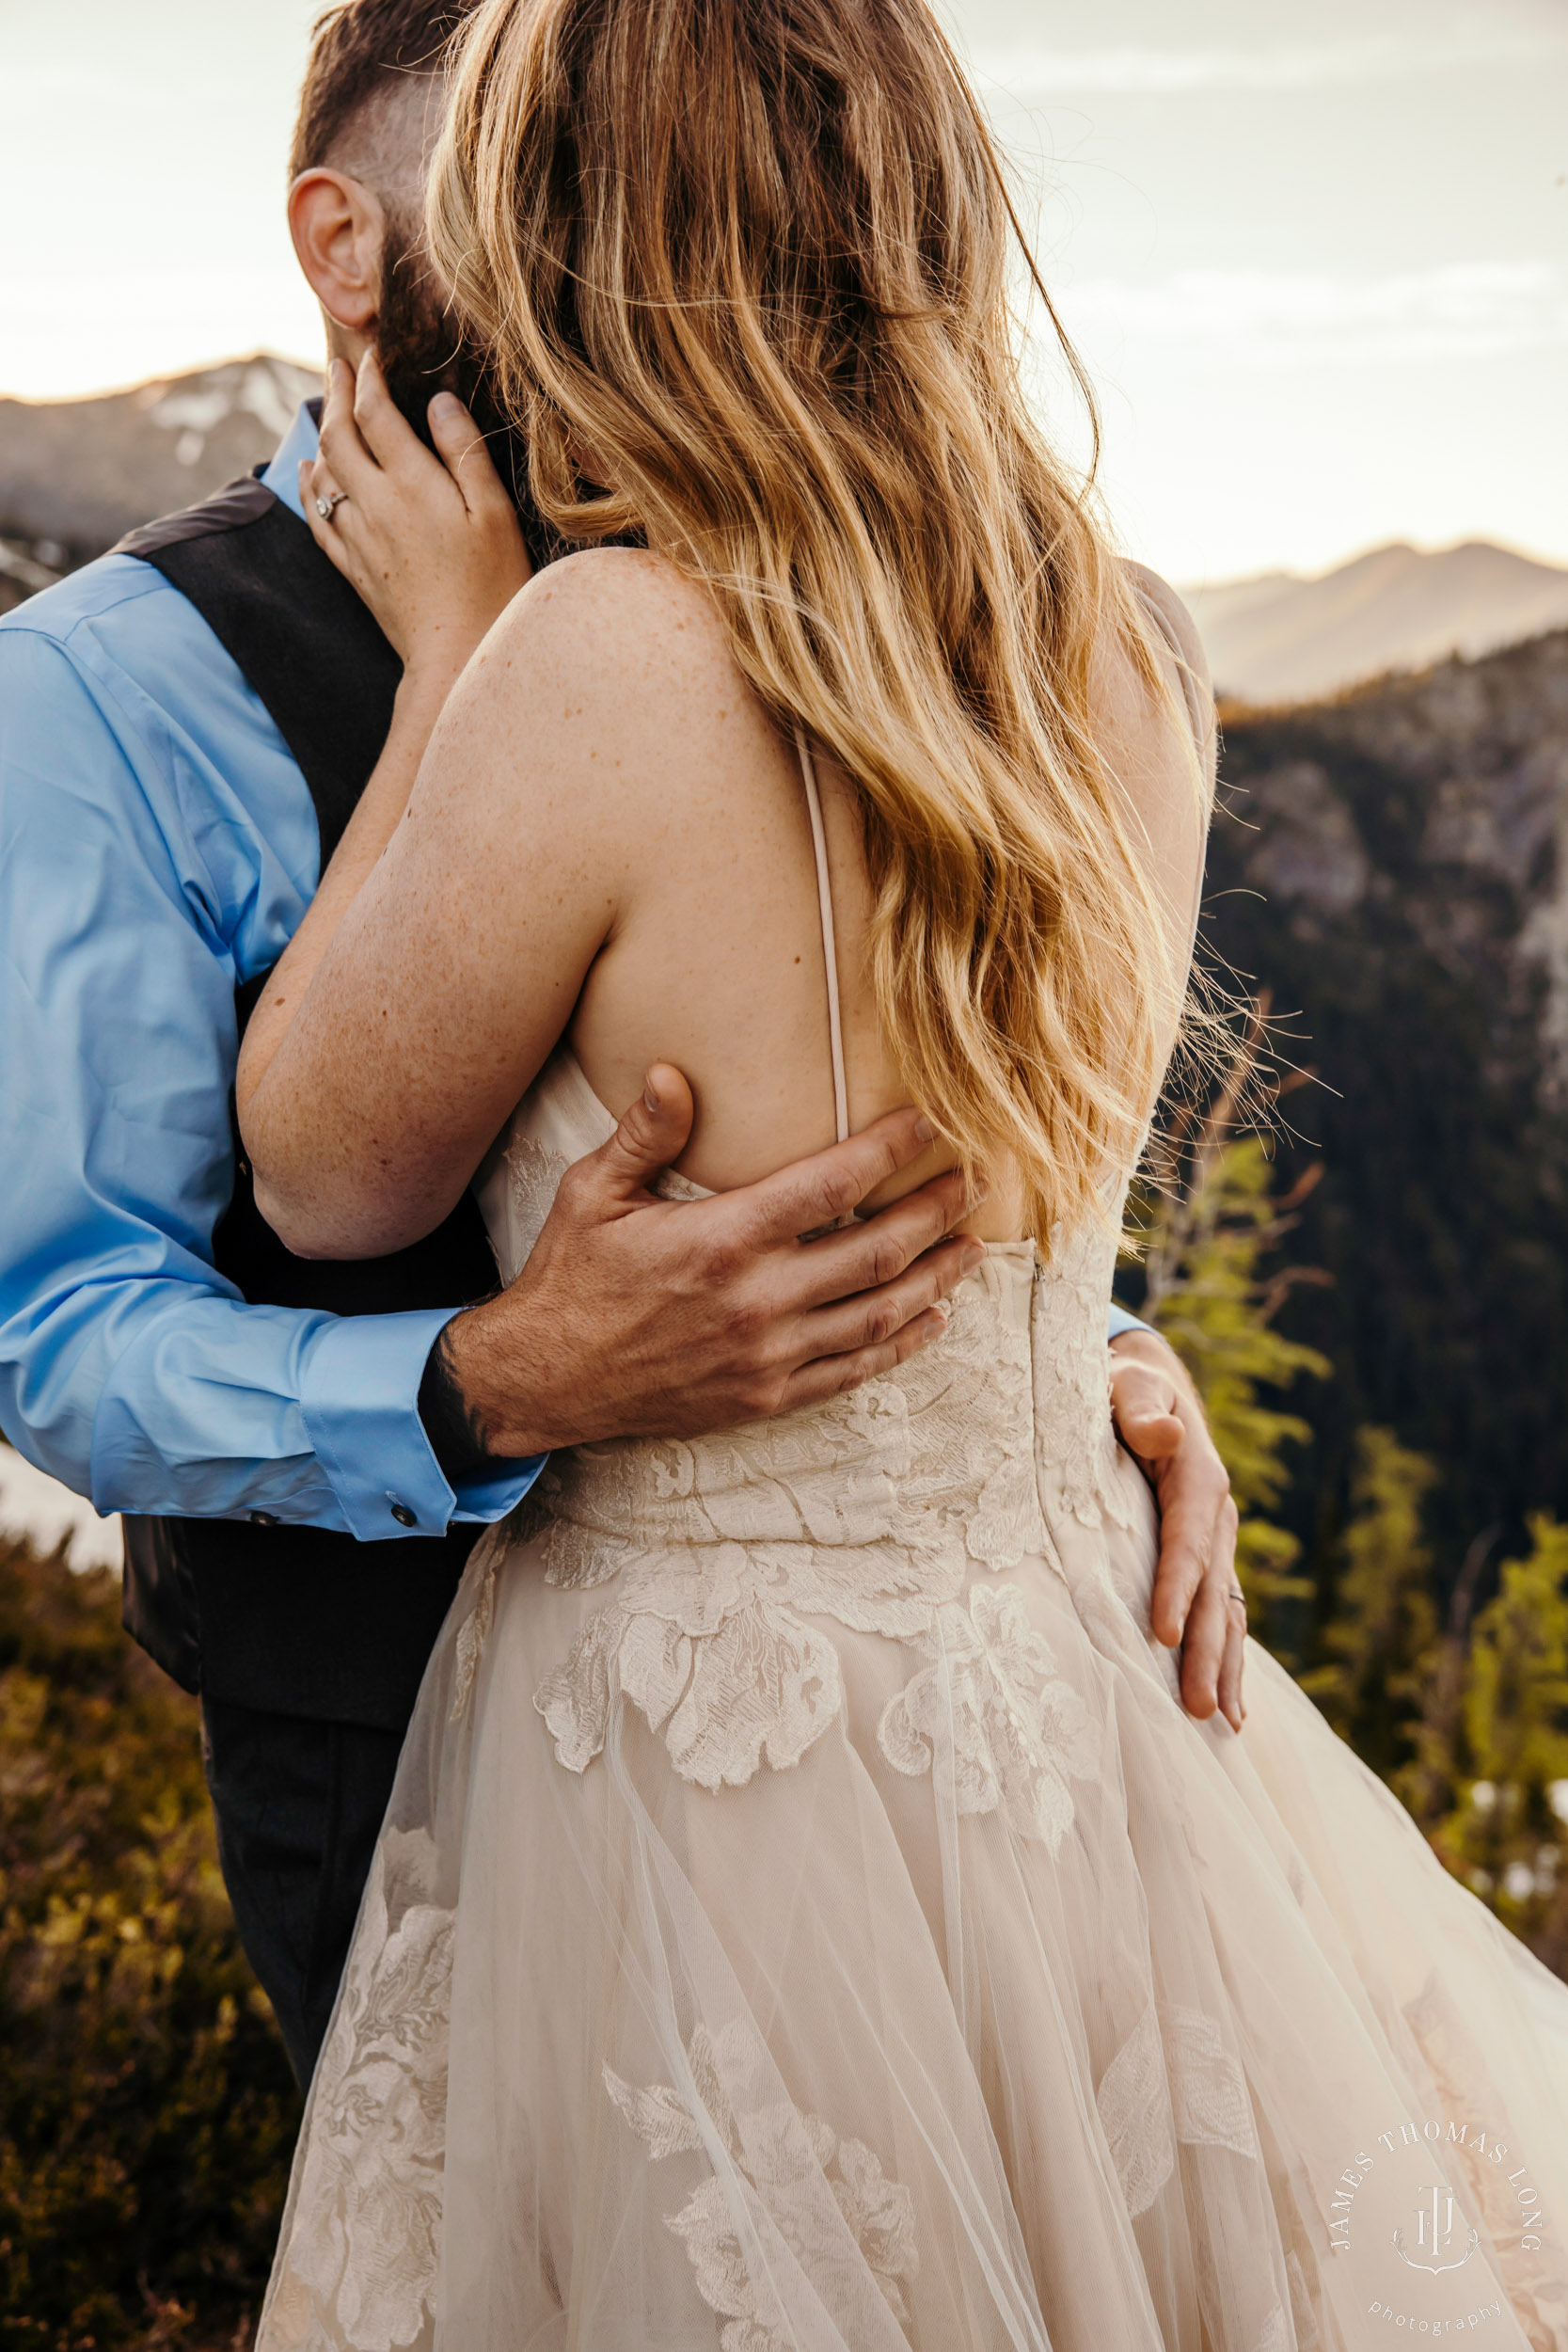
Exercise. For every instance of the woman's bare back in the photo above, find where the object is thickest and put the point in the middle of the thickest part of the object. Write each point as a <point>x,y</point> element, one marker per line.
<point>715,959</point>
<point>717,963</point>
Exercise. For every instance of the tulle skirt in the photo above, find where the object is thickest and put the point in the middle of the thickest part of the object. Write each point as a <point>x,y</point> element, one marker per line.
<point>1017,2009</point>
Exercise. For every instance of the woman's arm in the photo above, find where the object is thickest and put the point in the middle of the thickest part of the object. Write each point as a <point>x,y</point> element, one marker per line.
<point>432,546</point>
<point>458,962</point>
<point>488,863</point>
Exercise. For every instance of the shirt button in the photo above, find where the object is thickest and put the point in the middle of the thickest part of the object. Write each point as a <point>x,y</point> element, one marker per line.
<point>263,1518</point>
<point>403,1515</point>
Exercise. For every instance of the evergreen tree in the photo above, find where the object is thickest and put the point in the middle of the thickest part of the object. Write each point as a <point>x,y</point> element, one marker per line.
<point>1431,1783</point>
<point>1209,1231</point>
<point>1381,1639</point>
<point>1508,1833</point>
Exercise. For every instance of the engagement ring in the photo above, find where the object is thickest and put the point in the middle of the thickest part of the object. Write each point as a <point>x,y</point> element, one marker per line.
<point>325,506</point>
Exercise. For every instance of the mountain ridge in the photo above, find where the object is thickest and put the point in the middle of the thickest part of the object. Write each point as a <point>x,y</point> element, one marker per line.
<point>1278,638</point>
<point>75,475</point>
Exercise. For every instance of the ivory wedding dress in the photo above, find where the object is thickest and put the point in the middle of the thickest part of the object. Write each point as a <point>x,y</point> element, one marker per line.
<point>808,1921</point>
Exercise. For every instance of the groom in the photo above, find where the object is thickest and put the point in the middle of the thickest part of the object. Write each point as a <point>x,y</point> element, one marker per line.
<point>306,1452</point>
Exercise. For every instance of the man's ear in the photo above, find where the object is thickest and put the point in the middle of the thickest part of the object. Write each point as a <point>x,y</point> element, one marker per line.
<point>338,224</point>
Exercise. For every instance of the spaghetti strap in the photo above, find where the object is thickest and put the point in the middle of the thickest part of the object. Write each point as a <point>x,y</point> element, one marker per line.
<point>829,949</point>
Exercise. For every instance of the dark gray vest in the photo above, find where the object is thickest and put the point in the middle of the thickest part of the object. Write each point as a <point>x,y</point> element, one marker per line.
<point>298,1620</point>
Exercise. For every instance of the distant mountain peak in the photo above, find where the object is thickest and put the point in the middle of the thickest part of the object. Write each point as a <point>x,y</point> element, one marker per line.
<point>193,407</point>
<point>76,475</point>
<point>1283,637</point>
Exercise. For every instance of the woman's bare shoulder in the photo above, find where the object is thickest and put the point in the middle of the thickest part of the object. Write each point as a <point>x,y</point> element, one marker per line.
<point>1159,739</point>
<point>610,625</point>
<point>1171,617</point>
<point>604,708</point>
<point>1172,635</point>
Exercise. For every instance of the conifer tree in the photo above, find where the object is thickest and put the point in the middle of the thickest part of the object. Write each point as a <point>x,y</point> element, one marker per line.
<point>1208,1228</point>
<point>1382,1638</point>
<point>1431,1782</point>
<point>1508,1833</point>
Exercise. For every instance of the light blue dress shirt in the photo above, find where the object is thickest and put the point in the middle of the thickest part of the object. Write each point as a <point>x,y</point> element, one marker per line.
<point>158,846</point>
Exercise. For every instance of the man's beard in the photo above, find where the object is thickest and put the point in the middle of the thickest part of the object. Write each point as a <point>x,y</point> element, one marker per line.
<point>425,350</point>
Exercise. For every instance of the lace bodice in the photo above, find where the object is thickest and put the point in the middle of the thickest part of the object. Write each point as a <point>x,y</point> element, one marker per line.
<point>1018,1380</point>
<point>874,1511</point>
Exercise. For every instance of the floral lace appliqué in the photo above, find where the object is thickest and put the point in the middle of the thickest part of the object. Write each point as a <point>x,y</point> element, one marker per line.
<point>784,2163</point>
<point>1075,1441</point>
<point>871,1513</point>
<point>364,2270</point>
<point>1172,2080</point>
<point>1209,2093</point>
<point>472,1635</point>
<point>728,1675</point>
<point>1133,2100</point>
<point>1020,1734</point>
<point>534,1174</point>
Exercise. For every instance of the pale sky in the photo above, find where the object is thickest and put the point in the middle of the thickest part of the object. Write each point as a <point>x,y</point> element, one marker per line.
<point>1317,259</point>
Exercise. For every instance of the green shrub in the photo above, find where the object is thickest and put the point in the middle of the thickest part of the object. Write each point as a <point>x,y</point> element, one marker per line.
<point>146,2111</point>
<point>1380,1642</point>
<point>1206,1226</point>
<point>1507,1837</point>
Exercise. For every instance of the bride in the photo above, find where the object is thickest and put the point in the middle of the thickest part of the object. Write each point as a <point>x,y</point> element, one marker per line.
<point>807,1917</point>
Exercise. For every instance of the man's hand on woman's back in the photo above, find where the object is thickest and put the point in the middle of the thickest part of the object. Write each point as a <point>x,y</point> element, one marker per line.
<point>1196,1605</point>
<point>638,1316</point>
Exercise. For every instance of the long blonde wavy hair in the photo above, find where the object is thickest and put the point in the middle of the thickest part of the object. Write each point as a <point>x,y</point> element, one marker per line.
<point>753,255</point>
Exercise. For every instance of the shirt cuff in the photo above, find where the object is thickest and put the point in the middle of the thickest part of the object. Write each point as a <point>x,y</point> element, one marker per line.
<point>360,1400</point>
<point>1118,1320</point>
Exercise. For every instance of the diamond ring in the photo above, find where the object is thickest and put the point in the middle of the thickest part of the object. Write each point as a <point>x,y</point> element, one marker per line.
<point>325,506</point>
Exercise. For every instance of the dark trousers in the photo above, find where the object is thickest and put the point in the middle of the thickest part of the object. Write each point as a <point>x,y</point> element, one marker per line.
<point>299,1806</point>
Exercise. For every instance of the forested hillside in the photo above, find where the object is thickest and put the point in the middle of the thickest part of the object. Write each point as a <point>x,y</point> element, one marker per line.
<point>1390,869</point>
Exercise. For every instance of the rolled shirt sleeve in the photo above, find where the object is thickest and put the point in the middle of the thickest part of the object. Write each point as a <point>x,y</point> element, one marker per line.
<point>136,888</point>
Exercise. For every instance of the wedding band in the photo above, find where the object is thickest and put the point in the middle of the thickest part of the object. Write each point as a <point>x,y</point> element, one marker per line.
<point>1237,1593</point>
<point>325,507</point>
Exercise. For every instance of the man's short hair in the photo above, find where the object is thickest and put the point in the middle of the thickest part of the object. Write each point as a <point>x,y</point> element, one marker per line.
<point>354,50</point>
